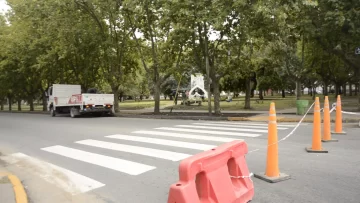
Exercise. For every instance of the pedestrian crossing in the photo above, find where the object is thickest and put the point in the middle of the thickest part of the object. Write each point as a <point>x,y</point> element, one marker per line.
<point>194,137</point>
<point>162,154</point>
<point>171,143</point>
<point>121,165</point>
<point>209,132</point>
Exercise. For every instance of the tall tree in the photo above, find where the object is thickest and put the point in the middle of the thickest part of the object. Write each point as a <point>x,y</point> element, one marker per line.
<point>118,58</point>
<point>159,46</point>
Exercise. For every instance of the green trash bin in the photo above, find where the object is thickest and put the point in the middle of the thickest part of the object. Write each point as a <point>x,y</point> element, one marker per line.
<point>302,106</point>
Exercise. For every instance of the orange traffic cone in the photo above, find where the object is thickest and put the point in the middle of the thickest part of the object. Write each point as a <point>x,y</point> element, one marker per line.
<point>327,128</point>
<point>272,173</point>
<point>338,119</point>
<point>316,140</point>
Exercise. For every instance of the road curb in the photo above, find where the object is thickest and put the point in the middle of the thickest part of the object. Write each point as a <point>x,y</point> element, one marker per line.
<point>289,120</point>
<point>206,118</point>
<point>19,191</point>
<point>26,112</point>
<point>174,117</point>
<point>238,119</point>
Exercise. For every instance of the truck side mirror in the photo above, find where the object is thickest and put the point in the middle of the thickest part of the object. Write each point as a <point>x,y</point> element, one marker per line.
<point>46,94</point>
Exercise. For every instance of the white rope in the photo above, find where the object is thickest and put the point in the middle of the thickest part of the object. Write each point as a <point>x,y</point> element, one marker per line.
<point>243,177</point>
<point>333,109</point>
<point>291,133</point>
<point>298,125</point>
<point>344,112</point>
<point>351,113</point>
<point>286,137</point>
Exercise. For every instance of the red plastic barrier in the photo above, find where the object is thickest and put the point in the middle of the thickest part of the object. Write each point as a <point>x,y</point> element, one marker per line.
<point>212,177</point>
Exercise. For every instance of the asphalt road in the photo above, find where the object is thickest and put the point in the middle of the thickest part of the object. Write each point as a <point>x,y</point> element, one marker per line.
<point>136,160</point>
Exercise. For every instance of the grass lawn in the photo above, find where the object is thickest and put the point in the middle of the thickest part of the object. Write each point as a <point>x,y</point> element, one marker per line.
<point>127,105</point>
<point>23,108</point>
<point>256,104</point>
<point>236,104</point>
<point>135,105</point>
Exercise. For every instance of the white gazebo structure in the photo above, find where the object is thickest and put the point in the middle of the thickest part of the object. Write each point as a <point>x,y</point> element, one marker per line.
<point>197,82</point>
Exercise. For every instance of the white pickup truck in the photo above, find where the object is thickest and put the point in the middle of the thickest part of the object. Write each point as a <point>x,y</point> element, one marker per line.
<point>64,99</point>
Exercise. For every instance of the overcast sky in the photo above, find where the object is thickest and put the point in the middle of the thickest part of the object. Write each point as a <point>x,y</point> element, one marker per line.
<point>3,6</point>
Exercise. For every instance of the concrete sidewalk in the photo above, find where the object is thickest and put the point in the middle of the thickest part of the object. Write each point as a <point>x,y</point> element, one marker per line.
<point>6,189</point>
<point>11,188</point>
<point>283,116</point>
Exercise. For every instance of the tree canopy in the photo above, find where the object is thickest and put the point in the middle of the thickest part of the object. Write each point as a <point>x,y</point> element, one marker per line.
<point>144,47</point>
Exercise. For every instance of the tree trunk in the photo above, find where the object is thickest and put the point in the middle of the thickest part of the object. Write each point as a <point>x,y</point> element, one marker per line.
<point>336,90</point>
<point>272,92</point>
<point>283,93</point>
<point>216,96</point>
<point>44,102</point>
<point>115,91</point>
<point>157,97</point>
<point>298,89</point>
<point>31,102</point>
<point>356,89</point>
<point>247,94</point>
<point>207,67</point>
<point>2,105</point>
<point>325,90</point>
<point>176,99</point>
<point>350,90</point>
<point>208,89</point>
<point>313,93</point>
<point>261,96</point>
<point>358,99</point>
<point>19,104</point>
<point>253,88</point>
<point>116,102</point>
<point>10,103</point>
<point>344,89</point>
<point>121,96</point>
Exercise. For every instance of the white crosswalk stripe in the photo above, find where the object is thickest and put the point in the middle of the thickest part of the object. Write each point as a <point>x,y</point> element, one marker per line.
<point>209,132</point>
<point>185,136</point>
<point>253,124</point>
<point>162,154</point>
<point>223,128</point>
<point>238,125</point>
<point>121,165</point>
<point>172,143</point>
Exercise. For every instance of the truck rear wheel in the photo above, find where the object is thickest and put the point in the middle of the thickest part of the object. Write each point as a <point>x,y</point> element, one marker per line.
<point>74,112</point>
<point>52,112</point>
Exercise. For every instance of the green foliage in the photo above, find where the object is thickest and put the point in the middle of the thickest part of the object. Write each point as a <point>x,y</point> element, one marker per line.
<point>144,47</point>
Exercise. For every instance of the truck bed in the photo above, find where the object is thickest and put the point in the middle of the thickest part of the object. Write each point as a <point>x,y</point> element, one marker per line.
<point>98,99</point>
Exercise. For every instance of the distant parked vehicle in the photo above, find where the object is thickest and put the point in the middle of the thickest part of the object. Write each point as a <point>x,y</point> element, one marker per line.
<point>64,99</point>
